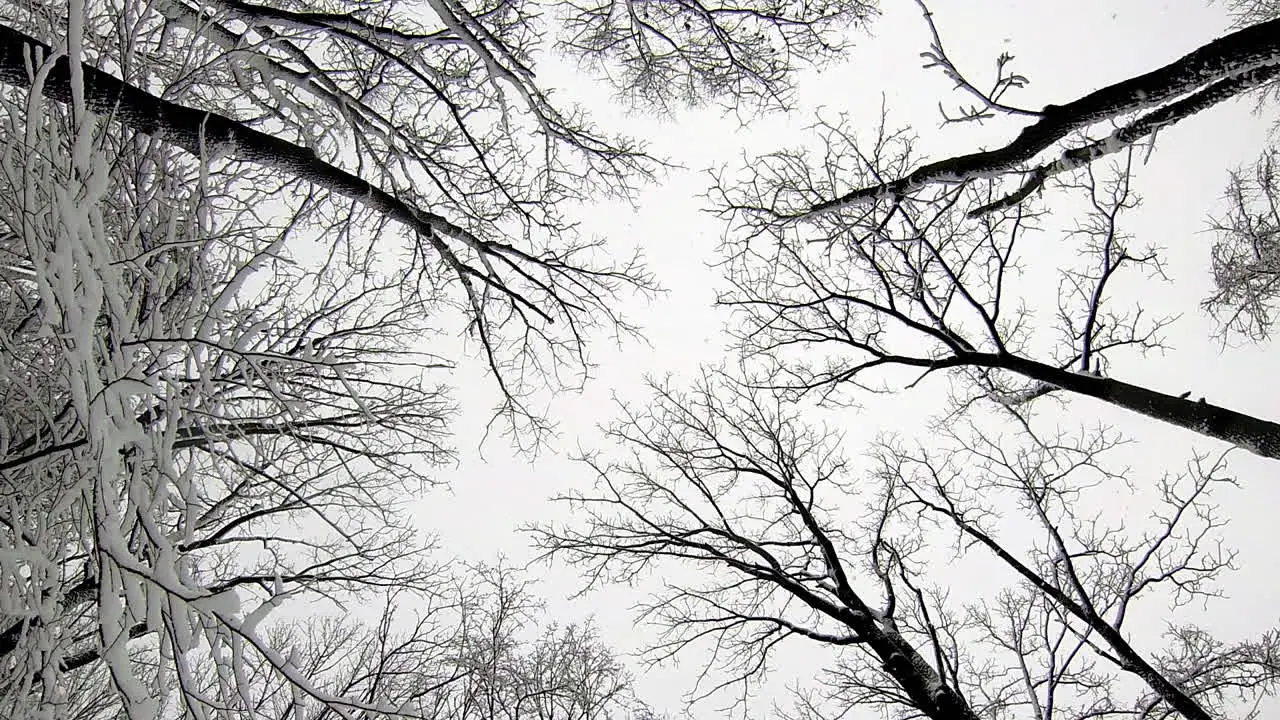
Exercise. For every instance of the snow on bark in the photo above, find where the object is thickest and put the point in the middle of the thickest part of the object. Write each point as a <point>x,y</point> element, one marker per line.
<point>200,132</point>
<point>1231,64</point>
<point>1023,396</point>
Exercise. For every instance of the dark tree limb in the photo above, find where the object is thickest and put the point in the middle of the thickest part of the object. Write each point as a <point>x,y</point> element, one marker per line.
<point>91,655</point>
<point>204,133</point>
<point>350,22</point>
<point>1250,52</point>
<point>1261,437</point>
<point>535,289</point>
<point>186,437</point>
<point>1128,658</point>
<point>1123,137</point>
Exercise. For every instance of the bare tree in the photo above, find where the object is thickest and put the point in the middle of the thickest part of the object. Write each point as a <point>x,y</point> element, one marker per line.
<point>236,239</point>
<point>740,55</point>
<point>855,267</point>
<point>502,284</point>
<point>791,542</point>
<point>199,423</point>
<point>1246,256</point>
<point>1244,268</point>
<point>888,293</point>
<point>471,646</point>
<point>516,667</point>
<point>739,491</point>
<point>435,125</point>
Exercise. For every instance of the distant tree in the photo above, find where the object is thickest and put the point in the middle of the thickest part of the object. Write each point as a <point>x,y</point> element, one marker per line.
<point>477,647</point>
<point>765,533</point>
<point>1244,266</point>
<point>463,645</point>
<point>1246,254</point>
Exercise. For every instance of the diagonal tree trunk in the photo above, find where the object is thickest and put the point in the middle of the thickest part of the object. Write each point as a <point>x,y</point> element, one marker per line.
<point>1238,61</point>
<point>1261,437</point>
<point>204,133</point>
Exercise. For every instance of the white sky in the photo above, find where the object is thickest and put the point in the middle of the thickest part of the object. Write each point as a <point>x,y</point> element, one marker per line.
<point>1066,48</point>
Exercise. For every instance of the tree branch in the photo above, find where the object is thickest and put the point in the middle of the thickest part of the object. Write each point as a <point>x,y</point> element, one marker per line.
<point>1261,437</point>
<point>203,133</point>
<point>1229,57</point>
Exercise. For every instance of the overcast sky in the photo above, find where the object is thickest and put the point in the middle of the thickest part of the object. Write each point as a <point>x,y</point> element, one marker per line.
<point>1066,48</point>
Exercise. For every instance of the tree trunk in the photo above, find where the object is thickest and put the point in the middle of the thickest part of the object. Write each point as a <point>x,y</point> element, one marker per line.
<point>1261,437</point>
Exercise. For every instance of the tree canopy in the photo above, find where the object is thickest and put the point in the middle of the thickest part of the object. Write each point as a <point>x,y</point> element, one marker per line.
<point>247,245</point>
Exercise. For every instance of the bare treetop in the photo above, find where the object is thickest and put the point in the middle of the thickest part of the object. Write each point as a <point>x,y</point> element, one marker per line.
<point>430,114</point>
<point>239,241</point>
<point>765,535</point>
<point>667,53</point>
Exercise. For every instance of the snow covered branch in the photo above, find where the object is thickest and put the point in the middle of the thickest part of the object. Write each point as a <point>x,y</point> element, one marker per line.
<point>1223,68</point>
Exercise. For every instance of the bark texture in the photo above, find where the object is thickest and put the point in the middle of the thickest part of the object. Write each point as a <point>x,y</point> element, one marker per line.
<point>1261,437</point>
